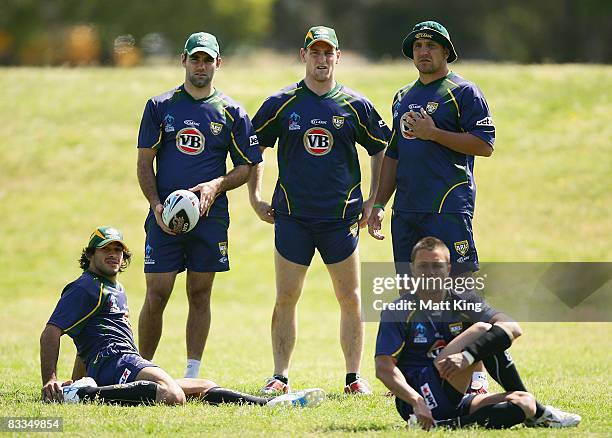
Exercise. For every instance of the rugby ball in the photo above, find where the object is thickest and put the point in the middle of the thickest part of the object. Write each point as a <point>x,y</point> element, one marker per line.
<point>181,211</point>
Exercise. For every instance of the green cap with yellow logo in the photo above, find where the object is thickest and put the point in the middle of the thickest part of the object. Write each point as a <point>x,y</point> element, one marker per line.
<point>102,236</point>
<point>321,33</point>
<point>202,42</point>
<point>433,31</point>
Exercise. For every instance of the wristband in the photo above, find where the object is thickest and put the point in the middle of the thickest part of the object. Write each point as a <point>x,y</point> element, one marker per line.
<point>468,357</point>
<point>381,206</point>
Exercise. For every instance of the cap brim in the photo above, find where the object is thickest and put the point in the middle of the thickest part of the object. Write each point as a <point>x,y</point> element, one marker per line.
<point>211,52</point>
<point>325,40</point>
<point>107,241</point>
<point>409,41</point>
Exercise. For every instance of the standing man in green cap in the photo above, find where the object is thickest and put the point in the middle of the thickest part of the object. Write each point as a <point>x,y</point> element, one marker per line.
<point>441,122</point>
<point>189,131</point>
<point>317,203</point>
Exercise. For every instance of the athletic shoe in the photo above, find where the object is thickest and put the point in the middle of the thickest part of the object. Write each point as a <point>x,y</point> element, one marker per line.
<point>70,391</point>
<point>553,417</point>
<point>359,386</point>
<point>275,387</point>
<point>307,398</point>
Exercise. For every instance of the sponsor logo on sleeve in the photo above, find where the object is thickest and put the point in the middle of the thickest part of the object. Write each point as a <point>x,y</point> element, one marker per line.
<point>381,123</point>
<point>428,396</point>
<point>487,121</point>
<point>216,128</point>
<point>318,141</point>
<point>253,140</point>
<point>190,141</point>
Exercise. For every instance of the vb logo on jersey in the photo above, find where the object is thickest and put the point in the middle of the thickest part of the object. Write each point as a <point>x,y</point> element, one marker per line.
<point>318,141</point>
<point>190,141</point>
<point>405,128</point>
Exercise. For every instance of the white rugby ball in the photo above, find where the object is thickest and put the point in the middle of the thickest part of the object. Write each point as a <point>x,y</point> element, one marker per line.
<point>181,211</point>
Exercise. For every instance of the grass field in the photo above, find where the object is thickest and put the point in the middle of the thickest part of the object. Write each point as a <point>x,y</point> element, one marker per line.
<point>68,164</point>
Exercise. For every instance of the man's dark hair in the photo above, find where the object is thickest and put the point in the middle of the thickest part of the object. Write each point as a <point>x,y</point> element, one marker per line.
<point>89,252</point>
<point>427,243</point>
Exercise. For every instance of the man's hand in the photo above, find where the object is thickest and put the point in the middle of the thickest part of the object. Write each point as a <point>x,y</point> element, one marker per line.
<point>208,192</point>
<point>157,211</point>
<point>52,391</point>
<point>264,211</point>
<point>423,414</point>
<point>375,223</point>
<point>451,365</point>
<point>366,212</point>
<point>422,125</point>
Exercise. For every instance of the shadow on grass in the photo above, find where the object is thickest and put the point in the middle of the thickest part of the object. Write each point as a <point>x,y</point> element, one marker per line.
<point>360,428</point>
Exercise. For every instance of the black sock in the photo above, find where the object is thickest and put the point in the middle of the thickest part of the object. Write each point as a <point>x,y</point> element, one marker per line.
<point>351,377</point>
<point>497,416</point>
<point>220,395</point>
<point>501,367</point>
<point>282,378</point>
<point>134,393</point>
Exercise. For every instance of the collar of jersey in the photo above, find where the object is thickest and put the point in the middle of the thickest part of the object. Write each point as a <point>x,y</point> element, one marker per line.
<point>204,99</point>
<point>322,96</point>
<point>437,81</point>
<point>102,279</point>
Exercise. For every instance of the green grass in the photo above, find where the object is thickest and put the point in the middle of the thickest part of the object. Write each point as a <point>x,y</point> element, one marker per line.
<point>68,164</point>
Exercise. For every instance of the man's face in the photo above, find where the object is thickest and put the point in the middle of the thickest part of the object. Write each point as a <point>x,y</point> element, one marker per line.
<point>431,264</point>
<point>200,68</point>
<point>429,56</point>
<point>107,260</point>
<point>320,59</point>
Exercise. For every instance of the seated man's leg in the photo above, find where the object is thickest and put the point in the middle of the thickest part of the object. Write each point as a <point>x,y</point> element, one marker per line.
<point>209,392</point>
<point>495,411</point>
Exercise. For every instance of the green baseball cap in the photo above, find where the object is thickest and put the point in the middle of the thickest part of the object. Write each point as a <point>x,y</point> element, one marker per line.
<point>102,236</point>
<point>202,42</point>
<point>433,31</point>
<point>321,33</point>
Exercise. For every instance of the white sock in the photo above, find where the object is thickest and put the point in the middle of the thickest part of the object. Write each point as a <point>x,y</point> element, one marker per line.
<point>193,368</point>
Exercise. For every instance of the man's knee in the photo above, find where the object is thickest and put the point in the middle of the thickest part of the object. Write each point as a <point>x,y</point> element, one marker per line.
<point>157,297</point>
<point>349,300</point>
<point>524,400</point>
<point>170,394</point>
<point>199,297</point>
<point>287,298</point>
<point>479,327</point>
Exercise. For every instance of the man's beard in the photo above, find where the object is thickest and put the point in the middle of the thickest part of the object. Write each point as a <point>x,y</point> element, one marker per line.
<point>199,82</point>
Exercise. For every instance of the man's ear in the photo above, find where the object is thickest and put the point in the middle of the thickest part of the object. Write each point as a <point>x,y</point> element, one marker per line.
<point>338,53</point>
<point>183,59</point>
<point>303,54</point>
<point>218,62</point>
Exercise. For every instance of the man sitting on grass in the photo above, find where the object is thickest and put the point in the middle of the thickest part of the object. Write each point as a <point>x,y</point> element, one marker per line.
<point>426,355</point>
<point>93,311</point>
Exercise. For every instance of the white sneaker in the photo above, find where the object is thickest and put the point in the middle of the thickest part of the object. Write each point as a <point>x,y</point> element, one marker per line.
<point>553,417</point>
<point>302,399</point>
<point>70,391</point>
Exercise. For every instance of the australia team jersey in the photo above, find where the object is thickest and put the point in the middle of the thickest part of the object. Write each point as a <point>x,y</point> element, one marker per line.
<point>432,178</point>
<point>193,137</point>
<point>318,166</point>
<point>94,313</point>
<point>415,337</point>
